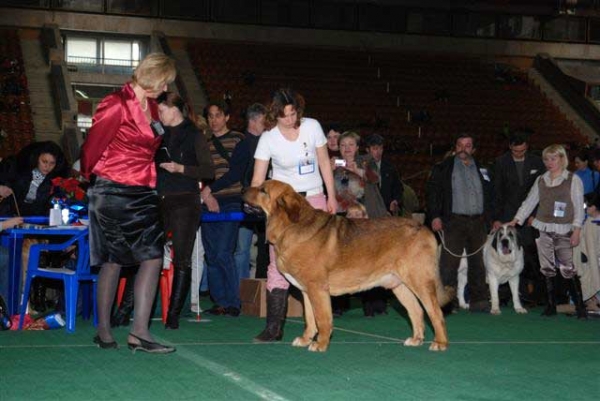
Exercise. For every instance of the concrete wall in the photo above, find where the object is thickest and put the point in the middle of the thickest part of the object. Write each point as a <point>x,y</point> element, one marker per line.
<point>315,37</point>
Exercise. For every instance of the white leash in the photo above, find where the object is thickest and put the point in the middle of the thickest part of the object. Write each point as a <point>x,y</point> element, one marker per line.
<point>442,239</point>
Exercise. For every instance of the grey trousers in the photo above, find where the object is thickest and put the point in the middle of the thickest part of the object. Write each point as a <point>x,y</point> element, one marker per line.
<point>555,251</point>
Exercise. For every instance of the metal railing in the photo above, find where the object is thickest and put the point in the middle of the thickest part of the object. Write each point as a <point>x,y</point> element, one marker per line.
<point>101,65</point>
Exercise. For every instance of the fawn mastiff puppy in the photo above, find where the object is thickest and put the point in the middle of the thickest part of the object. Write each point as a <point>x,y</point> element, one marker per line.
<point>325,255</point>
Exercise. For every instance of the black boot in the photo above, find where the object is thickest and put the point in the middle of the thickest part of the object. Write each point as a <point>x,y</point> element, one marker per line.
<point>577,295</point>
<point>276,311</point>
<point>550,309</point>
<point>181,285</point>
<point>123,314</point>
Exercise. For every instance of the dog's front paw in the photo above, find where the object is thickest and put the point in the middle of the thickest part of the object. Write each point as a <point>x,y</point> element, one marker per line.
<point>413,342</point>
<point>463,305</point>
<point>435,346</point>
<point>300,342</point>
<point>521,310</point>
<point>316,347</point>
<point>496,311</point>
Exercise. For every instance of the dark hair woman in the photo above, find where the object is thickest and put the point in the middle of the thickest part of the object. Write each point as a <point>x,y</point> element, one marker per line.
<point>185,161</point>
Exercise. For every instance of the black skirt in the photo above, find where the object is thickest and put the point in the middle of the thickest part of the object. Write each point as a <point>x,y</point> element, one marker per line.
<point>125,224</point>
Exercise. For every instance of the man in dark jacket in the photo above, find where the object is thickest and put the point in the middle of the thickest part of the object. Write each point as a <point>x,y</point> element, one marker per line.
<point>458,204</point>
<point>390,185</point>
<point>514,174</point>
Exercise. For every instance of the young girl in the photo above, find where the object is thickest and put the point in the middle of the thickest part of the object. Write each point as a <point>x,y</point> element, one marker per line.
<point>558,194</point>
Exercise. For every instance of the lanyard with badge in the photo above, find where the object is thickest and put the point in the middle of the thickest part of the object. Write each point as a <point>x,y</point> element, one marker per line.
<point>306,164</point>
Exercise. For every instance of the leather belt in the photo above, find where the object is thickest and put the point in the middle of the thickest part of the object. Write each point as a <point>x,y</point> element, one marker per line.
<point>468,216</point>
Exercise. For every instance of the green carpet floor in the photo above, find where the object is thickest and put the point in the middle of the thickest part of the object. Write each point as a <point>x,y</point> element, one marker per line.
<point>507,357</point>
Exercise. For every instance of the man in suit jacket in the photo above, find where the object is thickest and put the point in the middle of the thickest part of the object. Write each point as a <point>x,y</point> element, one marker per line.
<point>390,186</point>
<point>459,203</point>
<point>514,174</point>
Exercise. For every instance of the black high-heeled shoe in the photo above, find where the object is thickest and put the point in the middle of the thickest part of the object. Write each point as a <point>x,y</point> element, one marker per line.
<point>105,345</point>
<point>149,346</point>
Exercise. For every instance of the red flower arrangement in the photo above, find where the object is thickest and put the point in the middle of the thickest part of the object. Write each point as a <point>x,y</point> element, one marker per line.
<point>69,188</point>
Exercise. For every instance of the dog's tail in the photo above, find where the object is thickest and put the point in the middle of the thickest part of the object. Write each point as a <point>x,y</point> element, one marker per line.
<point>445,294</point>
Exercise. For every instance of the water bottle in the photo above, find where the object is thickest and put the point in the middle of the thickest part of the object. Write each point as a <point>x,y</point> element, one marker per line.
<point>55,218</point>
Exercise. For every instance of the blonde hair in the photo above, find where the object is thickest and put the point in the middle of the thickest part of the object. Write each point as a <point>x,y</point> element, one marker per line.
<point>557,150</point>
<point>350,134</point>
<point>155,71</point>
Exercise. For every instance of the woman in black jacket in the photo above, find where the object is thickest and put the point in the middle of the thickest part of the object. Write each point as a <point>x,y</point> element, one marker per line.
<point>183,160</point>
<point>33,188</point>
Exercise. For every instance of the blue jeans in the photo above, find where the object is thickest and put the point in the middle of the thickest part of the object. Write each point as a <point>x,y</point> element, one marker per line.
<point>242,251</point>
<point>219,240</point>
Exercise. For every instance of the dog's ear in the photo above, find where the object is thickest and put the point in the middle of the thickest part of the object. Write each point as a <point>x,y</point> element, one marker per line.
<point>495,240</point>
<point>290,203</point>
<point>514,236</point>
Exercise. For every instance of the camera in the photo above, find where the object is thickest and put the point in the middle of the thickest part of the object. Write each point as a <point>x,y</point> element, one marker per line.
<point>340,163</point>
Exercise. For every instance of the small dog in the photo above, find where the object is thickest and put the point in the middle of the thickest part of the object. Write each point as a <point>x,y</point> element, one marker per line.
<point>503,259</point>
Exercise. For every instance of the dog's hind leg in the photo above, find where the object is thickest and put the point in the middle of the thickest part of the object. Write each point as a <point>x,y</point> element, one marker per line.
<point>310,328</point>
<point>513,282</point>
<point>415,314</point>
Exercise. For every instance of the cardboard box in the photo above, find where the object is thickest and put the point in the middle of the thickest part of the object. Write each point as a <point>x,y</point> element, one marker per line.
<point>253,293</point>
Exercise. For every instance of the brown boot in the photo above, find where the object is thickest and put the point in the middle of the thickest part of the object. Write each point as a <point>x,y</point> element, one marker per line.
<point>276,311</point>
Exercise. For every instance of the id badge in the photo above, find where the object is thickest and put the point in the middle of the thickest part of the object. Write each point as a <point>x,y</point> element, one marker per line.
<point>559,209</point>
<point>307,162</point>
<point>306,166</point>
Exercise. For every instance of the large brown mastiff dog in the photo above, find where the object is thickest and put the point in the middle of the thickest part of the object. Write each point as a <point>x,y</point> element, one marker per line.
<point>325,255</point>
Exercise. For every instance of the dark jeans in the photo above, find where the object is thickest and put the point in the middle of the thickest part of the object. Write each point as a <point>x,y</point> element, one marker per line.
<point>468,233</point>
<point>220,240</point>
<point>181,218</point>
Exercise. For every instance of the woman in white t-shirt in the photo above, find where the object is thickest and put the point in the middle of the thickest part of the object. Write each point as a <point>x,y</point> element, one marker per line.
<point>297,149</point>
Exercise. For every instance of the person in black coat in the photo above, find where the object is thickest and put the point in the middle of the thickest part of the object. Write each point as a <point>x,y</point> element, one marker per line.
<point>390,186</point>
<point>33,188</point>
<point>514,174</point>
<point>459,199</point>
<point>183,161</point>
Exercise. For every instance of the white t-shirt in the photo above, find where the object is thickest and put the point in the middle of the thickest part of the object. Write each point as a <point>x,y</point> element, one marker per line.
<point>294,162</point>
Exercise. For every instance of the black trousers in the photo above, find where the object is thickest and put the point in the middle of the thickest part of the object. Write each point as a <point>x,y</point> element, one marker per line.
<point>465,232</point>
<point>181,219</point>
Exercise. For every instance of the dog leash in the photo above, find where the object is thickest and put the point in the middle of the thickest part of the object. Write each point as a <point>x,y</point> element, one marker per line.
<point>442,239</point>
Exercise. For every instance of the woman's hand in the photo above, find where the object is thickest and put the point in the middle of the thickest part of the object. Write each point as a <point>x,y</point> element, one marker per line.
<point>10,223</point>
<point>332,205</point>
<point>575,237</point>
<point>172,167</point>
<point>5,191</point>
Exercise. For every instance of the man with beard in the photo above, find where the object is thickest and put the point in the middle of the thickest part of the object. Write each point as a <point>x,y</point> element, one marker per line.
<point>458,206</point>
